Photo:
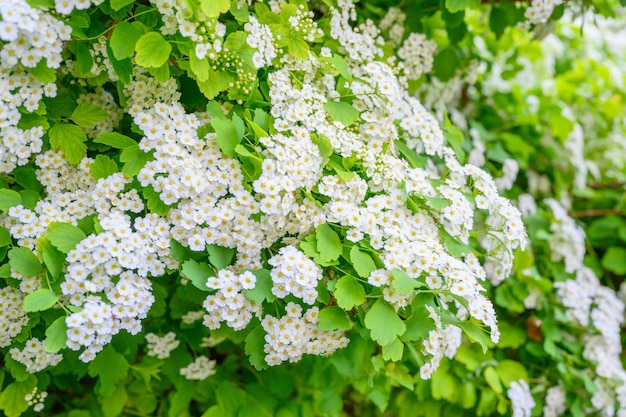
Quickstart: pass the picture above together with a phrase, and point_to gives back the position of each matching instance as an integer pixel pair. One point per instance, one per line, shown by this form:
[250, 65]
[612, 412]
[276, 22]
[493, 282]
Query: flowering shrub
[214, 207]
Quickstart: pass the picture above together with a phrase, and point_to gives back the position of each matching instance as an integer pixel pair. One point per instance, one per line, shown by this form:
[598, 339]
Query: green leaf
[64, 236]
[12, 400]
[475, 334]
[70, 139]
[24, 261]
[393, 351]
[41, 299]
[403, 283]
[445, 64]
[454, 6]
[110, 367]
[333, 318]
[27, 178]
[84, 60]
[349, 292]
[339, 64]
[220, 256]
[418, 325]
[227, 136]
[87, 114]
[493, 380]
[254, 345]
[152, 50]
[115, 140]
[134, 159]
[614, 260]
[154, 202]
[113, 405]
[52, 257]
[119, 4]
[384, 323]
[197, 273]
[328, 243]
[262, 291]
[42, 72]
[102, 167]
[362, 262]
[200, 67]
[9, 198]
[5, 237]
[509, 370]
[342, 112]
[56, 335]
[213, 8]
[444, 386]
[124, 38]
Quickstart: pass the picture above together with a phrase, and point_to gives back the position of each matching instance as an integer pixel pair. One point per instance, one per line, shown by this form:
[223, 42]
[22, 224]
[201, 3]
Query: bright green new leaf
[12, 399]
[42, 72]
[70, 139]
[340, 64]
[200, 67]
[362, 262]
[9, 198]
[113, 404]
[614, 260]
[444, 386]
[24, 261]
[262, 291]
[110, 367]
[297, 47]
[475, 334]
[124, 38]
[134, 159]
[227, 136]
[56, 335]
[403, 283]
[393, 351]
[102, 167]
[53, 259]
[342, 112]
[152, 50]
[454, 6]
[64, 236]
[154, 202]
[349, 292]
[328, 243]
[220, 256]
[333, 318]
[509, 370]
[384, 323]
[115, 140]
[197, 273]
[41, 299]
[493, 380]
[214, 8]
[87, 114]
[118, 4]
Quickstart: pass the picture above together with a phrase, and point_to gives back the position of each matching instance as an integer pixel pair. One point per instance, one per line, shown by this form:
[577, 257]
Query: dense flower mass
[191, 187]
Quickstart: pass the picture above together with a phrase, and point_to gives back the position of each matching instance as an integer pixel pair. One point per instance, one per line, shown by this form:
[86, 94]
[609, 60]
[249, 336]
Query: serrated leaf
[200, 67]
[84, 60]
[328, 243]
[393, 351]
[102, 167]
[454, 6]
[262, 290]
[123, 39]
[52, 257]
[254, 348]
[56, 335]
[87, 114]
[64, 236]
[110, 367]
[403, 283]
[118, 4]
[113, 405]
[115, 140]
[41, 299]
[333, 318]
[9, 198]
[154, 202]
[12, 399]
[362, 262]
[134, 159]
[42, 72]
[342, 112]
[213, 8]
[349, 292]
[340, 65]
[5, 237]
[384, 323]
[152, 50]
[70, 139]
[475, 334]
[24, 261]
[220, 256]
[227, 136]
[197, 273]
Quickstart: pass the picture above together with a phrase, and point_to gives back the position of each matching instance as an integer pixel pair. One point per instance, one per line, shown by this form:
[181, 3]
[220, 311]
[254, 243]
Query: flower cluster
[36, 399]
[161, 347]
[260, 38]
[35, 356]
[522, 399]
[541, 10]
[297, 333]
[230, 304]
[13, 317]
[201, 368]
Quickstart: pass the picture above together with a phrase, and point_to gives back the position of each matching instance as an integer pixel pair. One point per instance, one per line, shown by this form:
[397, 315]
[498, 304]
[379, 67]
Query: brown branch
[600, 185]
[597, 213]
